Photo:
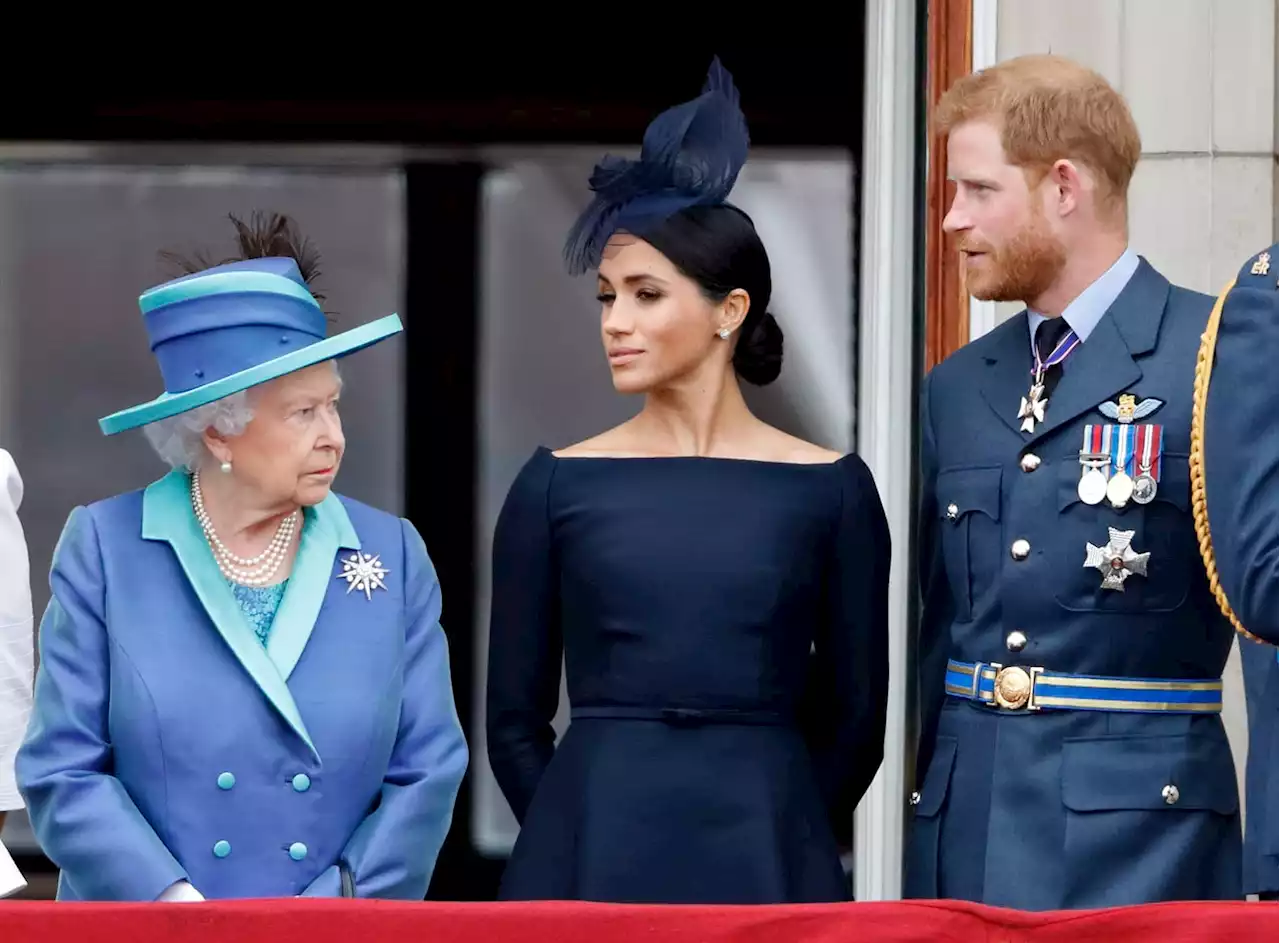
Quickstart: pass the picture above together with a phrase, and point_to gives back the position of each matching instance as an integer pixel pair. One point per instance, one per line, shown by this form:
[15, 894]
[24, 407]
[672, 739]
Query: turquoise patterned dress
[259, 604]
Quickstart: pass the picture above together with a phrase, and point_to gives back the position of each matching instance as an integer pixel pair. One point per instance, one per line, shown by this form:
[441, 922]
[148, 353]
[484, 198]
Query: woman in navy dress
[706, 578]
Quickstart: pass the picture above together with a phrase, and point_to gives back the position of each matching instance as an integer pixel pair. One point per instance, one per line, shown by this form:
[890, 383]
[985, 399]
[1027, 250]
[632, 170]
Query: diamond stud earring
[724, 333]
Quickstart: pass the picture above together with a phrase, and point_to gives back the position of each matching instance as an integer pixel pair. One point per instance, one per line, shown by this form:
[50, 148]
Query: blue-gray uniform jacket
[1241, 486]
[1071, 654]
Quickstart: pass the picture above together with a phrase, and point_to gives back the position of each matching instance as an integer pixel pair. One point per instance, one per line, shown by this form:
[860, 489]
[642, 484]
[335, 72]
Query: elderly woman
[244, 688]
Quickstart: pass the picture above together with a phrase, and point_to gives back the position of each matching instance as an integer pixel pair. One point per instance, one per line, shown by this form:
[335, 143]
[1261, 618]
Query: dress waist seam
[682, 716]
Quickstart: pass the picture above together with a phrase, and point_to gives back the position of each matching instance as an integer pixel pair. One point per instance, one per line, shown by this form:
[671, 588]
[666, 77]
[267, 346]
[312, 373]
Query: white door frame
[886, 406]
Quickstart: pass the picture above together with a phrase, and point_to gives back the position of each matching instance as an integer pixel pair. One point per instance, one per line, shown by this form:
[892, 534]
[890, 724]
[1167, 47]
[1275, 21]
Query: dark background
[807, 94]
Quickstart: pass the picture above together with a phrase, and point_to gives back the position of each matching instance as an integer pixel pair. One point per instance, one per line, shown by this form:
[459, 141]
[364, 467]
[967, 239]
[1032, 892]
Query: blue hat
[691, 156]
[231, 327]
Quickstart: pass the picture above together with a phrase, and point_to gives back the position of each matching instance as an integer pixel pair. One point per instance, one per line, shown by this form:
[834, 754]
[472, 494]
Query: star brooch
[1117, 561]
[363, 573]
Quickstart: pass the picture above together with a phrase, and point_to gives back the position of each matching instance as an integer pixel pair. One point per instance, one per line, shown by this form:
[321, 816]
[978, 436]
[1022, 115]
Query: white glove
[180, 892]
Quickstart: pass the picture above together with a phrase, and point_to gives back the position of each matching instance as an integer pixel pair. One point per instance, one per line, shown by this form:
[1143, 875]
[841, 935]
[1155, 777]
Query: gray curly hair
[179, 440]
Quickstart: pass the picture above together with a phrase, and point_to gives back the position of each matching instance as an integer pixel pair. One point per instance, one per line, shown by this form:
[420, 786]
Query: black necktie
[1049, 333]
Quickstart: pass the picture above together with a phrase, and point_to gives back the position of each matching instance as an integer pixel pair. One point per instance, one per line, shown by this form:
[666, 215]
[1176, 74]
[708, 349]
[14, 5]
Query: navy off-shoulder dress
[702, 608]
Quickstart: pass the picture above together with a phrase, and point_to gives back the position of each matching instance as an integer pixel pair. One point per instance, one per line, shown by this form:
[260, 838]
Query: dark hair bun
[758, 357]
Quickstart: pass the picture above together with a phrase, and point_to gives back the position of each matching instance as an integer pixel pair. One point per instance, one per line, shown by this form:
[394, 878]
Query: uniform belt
[680, 716]
[1027, 688]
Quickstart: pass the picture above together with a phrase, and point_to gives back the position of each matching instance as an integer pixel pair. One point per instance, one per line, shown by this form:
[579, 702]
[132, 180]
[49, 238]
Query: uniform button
[1020, 550]
[1016, 641]
[952, 512]
[301, 782]
[915, 798]
[1030, 462]
[1171, 794]
[226, 780]
[221, 849]
[297, 851]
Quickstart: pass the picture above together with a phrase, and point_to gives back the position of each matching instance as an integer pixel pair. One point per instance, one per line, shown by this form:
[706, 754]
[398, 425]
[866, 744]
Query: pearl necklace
[247, 571]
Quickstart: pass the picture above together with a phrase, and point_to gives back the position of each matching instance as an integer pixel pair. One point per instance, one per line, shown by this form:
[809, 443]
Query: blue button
[297, 851]
[226, 780]
[301, 782]
[221, 849]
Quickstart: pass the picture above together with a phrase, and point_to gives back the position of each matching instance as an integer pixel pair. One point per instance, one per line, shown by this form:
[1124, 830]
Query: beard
[1021, 270]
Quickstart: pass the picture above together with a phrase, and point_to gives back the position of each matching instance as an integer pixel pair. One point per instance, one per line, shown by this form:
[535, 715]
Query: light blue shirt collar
[1084, 313]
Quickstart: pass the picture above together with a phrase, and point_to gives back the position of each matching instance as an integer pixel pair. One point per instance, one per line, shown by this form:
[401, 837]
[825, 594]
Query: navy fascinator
[691, 156]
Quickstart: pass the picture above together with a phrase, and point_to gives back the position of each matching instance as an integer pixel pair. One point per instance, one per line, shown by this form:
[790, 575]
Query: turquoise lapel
[327, 530]
[167, 516]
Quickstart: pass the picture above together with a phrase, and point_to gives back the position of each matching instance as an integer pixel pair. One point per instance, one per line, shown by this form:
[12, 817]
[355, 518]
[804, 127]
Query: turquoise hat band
[224, 283]
[171, 404]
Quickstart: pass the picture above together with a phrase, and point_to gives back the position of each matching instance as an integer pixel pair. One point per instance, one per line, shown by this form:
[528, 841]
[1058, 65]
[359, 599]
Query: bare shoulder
[788, 448]
[618, 442]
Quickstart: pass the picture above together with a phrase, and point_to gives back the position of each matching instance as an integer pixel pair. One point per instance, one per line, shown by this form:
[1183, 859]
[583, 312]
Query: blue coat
[166, 743]
[1242, 488]
[1054, 808]
[1262, 768]
[1241, 451]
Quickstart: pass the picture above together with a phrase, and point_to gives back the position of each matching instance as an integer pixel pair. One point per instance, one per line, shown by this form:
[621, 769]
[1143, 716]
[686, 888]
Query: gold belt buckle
[1015, 687]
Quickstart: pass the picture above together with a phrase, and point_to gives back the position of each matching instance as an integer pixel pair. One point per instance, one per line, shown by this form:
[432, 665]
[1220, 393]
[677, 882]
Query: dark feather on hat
[266, 235]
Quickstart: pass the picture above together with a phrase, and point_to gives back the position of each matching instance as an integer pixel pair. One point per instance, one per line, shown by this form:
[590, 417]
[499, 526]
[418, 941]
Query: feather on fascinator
[692, 154]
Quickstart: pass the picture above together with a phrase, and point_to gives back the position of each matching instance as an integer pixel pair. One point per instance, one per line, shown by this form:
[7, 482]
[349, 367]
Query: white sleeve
[17, 658]
[180, 892]
[11, 879]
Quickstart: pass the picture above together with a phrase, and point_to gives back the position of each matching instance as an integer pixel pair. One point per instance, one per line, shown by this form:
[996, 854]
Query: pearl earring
[724, 333]
[226, 468]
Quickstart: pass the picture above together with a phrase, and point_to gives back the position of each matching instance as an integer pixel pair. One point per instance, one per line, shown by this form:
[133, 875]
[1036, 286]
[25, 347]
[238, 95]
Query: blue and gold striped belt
[1026, 688]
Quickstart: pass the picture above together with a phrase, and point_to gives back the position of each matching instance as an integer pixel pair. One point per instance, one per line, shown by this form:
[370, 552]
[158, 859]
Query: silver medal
[1144, 486]
[1092, 487]
[1120, 487]
[1116, 560]
[1144, 489]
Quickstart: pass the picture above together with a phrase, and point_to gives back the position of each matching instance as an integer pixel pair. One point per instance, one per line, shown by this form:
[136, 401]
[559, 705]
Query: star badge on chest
[1116, 561]
[364, 573]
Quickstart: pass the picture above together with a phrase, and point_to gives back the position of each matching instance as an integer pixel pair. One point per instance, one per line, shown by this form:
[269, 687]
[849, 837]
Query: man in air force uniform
[1071, 653]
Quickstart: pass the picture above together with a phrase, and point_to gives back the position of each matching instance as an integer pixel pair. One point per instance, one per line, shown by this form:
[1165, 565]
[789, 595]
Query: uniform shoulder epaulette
[1262, 268]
